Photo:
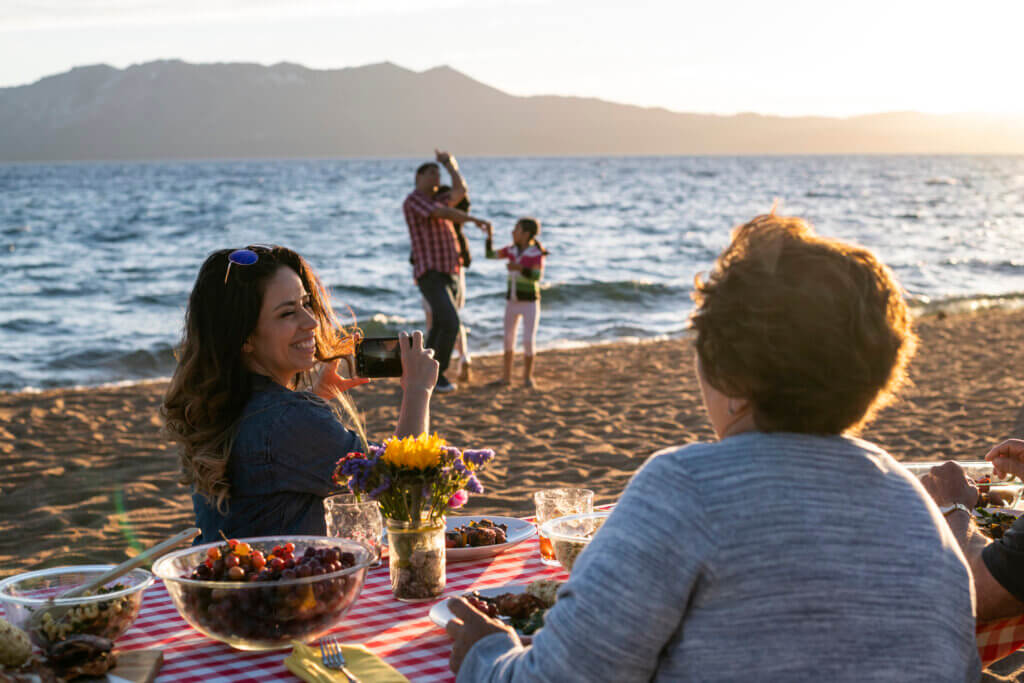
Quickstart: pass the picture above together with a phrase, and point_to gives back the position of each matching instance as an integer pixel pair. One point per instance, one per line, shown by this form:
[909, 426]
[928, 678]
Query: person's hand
[329, 384]
[484, 225]
[419, 369]
[468, 626]
[1007, 458]
[514, 266]
[445, 159]
[947, 483]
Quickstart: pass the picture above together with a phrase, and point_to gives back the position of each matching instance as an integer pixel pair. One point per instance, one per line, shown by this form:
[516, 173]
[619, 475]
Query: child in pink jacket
[525, 269]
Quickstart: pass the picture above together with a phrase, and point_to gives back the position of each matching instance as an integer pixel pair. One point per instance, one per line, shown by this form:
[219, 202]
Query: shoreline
[90, 474]
[920, 309]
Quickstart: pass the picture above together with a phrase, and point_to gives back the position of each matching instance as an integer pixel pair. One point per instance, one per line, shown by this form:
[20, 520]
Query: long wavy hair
[212, 382]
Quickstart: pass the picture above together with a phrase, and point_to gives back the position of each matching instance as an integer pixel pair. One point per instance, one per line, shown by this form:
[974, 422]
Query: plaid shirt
[434, 245]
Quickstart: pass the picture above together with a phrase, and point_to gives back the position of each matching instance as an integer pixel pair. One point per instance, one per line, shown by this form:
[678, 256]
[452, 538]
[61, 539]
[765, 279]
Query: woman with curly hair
[259, 438]
[787, 550]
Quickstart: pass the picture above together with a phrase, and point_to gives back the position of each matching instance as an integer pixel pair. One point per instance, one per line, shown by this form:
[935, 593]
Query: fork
[330, 652]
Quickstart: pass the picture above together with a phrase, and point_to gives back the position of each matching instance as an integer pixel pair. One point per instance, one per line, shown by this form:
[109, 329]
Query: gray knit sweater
[763, 557]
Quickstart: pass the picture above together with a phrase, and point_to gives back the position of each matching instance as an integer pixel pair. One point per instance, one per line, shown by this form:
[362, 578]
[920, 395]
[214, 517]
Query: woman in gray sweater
[788, 550]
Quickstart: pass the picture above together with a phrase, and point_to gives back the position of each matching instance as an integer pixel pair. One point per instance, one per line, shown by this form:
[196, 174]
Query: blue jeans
[440, 290]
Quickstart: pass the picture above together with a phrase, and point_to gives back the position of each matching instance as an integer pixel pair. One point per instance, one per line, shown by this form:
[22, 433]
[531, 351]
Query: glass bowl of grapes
[263, 593]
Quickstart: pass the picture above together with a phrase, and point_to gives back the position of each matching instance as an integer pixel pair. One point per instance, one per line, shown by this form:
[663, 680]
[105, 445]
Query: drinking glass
[347, 517]
[552, 503]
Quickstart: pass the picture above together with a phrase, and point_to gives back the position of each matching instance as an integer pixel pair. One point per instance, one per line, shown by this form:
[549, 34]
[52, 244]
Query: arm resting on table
[617, 611]
[1005, 557]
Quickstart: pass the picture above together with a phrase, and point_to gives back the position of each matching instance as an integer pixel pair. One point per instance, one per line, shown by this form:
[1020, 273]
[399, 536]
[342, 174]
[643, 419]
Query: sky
[789, 57]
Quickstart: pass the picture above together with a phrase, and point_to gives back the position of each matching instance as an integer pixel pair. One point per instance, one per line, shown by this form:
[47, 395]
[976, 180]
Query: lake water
[97, 260]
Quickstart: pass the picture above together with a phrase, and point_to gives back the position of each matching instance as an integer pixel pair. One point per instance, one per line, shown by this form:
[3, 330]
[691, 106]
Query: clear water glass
[554, 503]
[362, 521]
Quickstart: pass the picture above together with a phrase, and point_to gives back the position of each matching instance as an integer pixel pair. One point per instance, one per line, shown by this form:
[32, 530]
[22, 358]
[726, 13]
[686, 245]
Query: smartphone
[378, 357]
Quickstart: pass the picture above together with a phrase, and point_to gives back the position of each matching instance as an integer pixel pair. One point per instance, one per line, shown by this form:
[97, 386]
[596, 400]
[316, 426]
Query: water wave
[27, 325]
[155, 360]
[1007, 266]
[628, 291]
[966, 304]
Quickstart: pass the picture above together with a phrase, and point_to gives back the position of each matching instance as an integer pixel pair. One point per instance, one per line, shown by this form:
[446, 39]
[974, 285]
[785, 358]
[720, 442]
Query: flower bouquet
[415, 480]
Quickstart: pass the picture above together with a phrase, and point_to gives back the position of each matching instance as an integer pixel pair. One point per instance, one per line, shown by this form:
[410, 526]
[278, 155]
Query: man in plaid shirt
[435, 253]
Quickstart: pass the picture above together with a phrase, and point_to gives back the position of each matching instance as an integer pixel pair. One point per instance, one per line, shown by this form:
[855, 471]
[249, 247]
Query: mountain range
[175, 110]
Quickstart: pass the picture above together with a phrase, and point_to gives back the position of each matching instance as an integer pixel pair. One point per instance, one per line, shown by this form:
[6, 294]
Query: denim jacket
[280, 468]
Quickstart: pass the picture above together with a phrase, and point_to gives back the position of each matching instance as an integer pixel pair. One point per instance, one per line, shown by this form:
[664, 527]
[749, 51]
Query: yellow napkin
[305, 663]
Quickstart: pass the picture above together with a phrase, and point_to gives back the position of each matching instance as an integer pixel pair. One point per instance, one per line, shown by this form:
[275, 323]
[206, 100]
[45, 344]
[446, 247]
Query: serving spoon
[58, 611]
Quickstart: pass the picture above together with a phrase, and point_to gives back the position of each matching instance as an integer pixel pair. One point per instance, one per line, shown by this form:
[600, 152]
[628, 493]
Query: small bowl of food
[106, 612]
[570, 535]
[993, 492]
[995, 521]
[262, 593]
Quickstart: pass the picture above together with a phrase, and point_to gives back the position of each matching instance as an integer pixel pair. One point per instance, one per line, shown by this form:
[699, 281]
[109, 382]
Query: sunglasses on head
[246, 257]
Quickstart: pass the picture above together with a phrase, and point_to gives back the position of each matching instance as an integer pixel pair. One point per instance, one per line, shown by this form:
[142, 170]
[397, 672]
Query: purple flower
[458, 499]
[473, 485]
[385, 484]
[478, 458]
[460, 468]
[358, 471]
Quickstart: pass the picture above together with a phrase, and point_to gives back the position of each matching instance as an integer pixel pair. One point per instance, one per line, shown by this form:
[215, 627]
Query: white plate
[517, 532]
[441, 615]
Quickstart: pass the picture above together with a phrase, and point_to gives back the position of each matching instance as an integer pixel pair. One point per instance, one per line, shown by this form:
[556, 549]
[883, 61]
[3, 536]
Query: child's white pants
[529, 311]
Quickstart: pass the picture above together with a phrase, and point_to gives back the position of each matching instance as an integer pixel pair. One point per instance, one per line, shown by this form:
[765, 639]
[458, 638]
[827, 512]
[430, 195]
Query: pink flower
[458, 499]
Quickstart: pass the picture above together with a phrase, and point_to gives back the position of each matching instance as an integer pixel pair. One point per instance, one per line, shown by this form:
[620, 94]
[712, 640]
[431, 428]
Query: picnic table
[401, 633]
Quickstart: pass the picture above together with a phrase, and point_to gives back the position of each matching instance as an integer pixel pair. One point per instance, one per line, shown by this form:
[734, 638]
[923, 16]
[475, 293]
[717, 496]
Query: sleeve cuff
[484, 654]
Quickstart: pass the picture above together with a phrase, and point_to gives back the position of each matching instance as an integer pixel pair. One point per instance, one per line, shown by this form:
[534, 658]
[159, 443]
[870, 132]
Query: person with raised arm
[525, 265]
[435, 253]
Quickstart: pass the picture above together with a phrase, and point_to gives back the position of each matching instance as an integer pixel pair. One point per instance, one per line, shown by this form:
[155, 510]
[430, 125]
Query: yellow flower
[417, 453]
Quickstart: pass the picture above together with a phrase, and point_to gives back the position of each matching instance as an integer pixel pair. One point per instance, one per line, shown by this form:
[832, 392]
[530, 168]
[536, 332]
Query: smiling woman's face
[283, 342]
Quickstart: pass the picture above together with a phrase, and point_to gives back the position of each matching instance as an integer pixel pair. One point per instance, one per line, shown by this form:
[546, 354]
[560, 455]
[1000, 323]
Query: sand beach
[88, 477]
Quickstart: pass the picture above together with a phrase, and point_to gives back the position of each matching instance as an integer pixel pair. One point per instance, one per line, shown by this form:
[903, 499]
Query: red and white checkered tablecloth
[997, 639]
[401, 633]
